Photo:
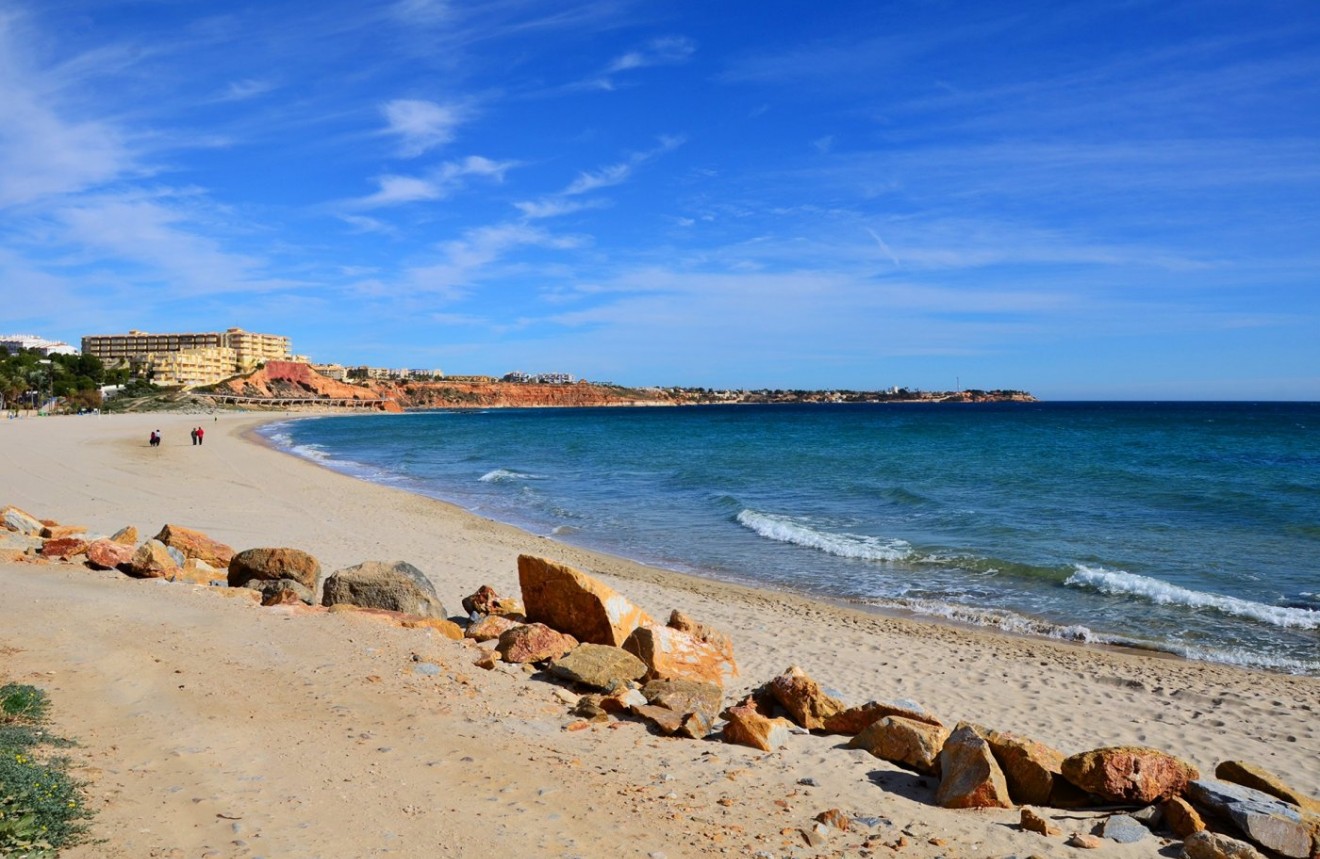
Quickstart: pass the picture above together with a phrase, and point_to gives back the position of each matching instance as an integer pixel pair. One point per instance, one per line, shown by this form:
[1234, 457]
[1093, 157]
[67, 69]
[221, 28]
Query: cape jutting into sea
[1192, 528]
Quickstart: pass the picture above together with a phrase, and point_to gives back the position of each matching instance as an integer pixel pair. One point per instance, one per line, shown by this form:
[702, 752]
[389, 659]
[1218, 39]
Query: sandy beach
[209, 726]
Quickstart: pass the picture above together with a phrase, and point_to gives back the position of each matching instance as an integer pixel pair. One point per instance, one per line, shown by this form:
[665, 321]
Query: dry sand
[210, 726]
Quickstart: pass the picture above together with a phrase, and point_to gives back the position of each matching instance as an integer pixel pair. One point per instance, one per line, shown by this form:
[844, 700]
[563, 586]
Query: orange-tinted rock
[1211, 845]
[1258, 778]
[573, 602]
[281, 596]
[271, 565]
[486, 601]
[534, 642]
[969, 775]
[441, 625]
[1034, 822]
[722, 644]
[854, 720]
[127, 536]
[197, 572]
[1030, 767]
[60, 532]
[746, 726]
[802, 697]
[670, 653]
[195, 544]
[64, 547]
[151, 561]
[490, 627]
[903, 741]
[1129, 774]
[835, 818]
[1181, 817]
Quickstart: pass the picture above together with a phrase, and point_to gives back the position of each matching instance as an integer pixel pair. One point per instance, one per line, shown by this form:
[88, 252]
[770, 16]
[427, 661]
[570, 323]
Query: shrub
[40, 805]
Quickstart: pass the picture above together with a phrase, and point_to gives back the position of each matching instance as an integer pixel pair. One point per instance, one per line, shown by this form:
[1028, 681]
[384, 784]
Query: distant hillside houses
[12, 344]
[537, 378]
[340, 373]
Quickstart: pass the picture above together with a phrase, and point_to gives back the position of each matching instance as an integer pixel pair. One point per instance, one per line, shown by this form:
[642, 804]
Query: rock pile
[575, 630]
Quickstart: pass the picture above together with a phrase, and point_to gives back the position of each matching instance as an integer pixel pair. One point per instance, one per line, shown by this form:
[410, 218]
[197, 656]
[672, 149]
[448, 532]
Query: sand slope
[211, 726]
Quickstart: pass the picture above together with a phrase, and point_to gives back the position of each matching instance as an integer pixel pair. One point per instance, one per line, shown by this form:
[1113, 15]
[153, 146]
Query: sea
[1187, 528]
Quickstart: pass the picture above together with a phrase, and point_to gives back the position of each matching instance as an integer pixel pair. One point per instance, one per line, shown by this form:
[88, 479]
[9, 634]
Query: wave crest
[786, 529]
[502, 475]
[1120, 582]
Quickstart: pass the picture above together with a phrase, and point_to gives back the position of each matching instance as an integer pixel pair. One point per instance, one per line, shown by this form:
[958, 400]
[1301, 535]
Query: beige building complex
[188, 359]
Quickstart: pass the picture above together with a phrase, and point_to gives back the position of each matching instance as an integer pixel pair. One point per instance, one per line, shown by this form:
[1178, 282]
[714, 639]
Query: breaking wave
[504, 475]
[786, 529]
[1119, 582]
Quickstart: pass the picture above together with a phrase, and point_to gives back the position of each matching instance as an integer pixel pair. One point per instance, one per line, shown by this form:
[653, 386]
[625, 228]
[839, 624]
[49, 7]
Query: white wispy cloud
[663, 51]
[615, 174]
[553, 207]
[422, 125]
[44, 150]
[468, 259]
[163, 241]
[437, 184]
[246, 89]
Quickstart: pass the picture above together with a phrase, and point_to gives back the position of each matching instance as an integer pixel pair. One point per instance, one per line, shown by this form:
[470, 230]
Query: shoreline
[111, 649]
[1110, 642]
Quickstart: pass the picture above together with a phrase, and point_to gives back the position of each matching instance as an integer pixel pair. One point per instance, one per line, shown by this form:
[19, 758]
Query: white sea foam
[1006, 621]
[1120, 582]
[786, 529]
[314, 452]
[501, 475]
[1017, 624]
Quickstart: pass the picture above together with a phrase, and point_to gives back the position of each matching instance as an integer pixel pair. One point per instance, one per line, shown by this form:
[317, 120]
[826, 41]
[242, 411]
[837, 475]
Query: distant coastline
[290, 385]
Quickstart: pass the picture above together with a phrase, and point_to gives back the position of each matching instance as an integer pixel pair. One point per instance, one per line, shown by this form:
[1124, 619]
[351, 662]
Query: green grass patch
[41, 807]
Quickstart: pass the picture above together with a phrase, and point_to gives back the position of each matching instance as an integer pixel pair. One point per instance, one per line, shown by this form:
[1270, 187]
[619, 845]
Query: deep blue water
[1188, 527]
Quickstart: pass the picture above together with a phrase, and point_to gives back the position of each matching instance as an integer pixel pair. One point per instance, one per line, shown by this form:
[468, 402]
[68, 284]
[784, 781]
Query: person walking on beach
[201, 434]
[193, 433]
[155, 438]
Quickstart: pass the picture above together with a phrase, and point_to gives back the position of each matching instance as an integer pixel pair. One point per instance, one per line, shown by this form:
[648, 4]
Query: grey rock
[1152, 815]
[393, 586]
[1125, 829]
[1266, 820]
[16, 520]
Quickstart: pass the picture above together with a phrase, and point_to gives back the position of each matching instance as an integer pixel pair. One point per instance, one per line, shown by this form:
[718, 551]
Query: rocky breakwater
[610, 660]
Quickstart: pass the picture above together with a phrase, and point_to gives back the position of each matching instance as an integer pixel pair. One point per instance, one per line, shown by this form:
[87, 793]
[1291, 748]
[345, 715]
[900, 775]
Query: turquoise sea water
[1190, 527]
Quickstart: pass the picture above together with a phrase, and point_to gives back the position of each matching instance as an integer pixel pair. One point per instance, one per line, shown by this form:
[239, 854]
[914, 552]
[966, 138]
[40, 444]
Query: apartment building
[188, 359]
[12, 343]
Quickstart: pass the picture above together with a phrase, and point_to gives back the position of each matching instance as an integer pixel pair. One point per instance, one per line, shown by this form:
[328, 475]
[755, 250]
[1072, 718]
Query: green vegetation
[28, 379]
[40, 805]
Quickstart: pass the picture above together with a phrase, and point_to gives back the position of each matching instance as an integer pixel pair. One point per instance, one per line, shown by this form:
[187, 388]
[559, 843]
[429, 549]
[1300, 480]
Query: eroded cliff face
[516, 395]
[288, 380]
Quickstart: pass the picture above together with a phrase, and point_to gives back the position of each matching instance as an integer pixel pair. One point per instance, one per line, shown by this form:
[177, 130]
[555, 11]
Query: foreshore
[210, 726]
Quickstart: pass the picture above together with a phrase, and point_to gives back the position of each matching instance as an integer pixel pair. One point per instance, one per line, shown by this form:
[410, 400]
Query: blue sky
[1087, 200]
